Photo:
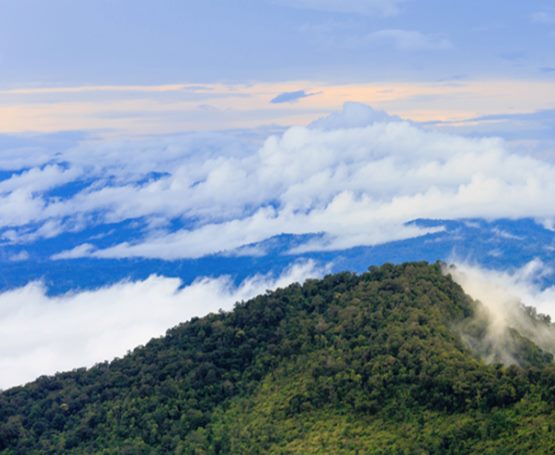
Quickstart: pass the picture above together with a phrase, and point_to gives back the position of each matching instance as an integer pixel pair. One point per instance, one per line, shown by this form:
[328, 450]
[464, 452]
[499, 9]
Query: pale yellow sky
[184, 107]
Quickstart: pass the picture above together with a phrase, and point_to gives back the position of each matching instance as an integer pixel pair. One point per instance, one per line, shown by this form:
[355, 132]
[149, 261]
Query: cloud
[501, 295]
[20, 257]
[105, 88]
[43, 335]
[547, 223]
[542, 17]
[358, 186]
[79, 251]
[525, 132]
[39, 179]
[20, 207]
[356, 177]
[291, 97]
[353, 115]
[410, 40]
[365, 7]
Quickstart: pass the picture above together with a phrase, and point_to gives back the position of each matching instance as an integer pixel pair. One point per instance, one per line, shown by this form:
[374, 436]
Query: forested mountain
[370, 363]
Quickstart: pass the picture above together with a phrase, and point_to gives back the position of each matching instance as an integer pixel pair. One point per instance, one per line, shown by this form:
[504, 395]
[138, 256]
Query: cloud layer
[43, 335]
[356, 177]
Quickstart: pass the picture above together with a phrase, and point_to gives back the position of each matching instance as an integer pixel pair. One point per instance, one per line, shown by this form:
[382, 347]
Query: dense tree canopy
[370, 363]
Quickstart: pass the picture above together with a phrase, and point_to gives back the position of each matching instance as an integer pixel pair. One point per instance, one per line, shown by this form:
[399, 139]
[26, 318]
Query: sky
[141, 42]
[158, 67]
[169, 158]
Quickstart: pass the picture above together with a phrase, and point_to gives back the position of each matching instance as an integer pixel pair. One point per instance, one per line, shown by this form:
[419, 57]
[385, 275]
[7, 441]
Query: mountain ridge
[369, 363]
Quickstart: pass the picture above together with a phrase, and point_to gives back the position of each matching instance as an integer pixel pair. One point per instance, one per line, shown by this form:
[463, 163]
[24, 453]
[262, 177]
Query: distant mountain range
[500, 244]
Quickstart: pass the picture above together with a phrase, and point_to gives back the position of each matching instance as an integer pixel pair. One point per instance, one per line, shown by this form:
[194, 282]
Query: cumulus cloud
[353, 115]
[43, 335]
[502, 295]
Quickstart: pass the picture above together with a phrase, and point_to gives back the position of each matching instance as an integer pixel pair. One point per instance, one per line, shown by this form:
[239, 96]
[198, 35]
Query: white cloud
[20, 157]
[20, 207]
[79, 251]
[39, 179]
[547, 223]
[357, 177]
[20, 257]
[501, 294]
[43, 335]
[357, 185]
[495, 288]
[410, 40]
[353, 115]
[366, 7]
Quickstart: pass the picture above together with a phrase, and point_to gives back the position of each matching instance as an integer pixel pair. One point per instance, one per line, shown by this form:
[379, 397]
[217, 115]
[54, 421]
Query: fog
[502, 298]
[40, 334]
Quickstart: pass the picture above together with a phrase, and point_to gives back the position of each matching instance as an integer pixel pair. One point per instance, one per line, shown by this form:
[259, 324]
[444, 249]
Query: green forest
[373, 363]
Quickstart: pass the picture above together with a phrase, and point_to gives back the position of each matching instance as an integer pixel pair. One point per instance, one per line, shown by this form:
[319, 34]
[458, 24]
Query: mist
[42, 335]
[510, 308]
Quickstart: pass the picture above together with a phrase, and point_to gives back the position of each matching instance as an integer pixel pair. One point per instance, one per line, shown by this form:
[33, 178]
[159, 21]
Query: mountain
[497, 244]
[388, 361]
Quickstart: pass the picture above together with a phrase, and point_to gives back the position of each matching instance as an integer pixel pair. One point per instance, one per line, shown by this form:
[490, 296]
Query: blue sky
[168, 41]
[167, 66]
[168, 158]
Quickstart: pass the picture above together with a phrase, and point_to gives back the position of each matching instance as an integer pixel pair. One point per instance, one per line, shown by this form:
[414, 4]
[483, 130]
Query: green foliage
[347, 364]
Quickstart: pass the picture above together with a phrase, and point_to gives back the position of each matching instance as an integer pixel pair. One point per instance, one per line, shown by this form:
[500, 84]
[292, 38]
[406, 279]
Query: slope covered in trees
[371, 363]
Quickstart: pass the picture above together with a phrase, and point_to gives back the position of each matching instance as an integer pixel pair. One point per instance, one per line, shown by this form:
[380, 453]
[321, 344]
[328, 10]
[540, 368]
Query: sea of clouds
[357, 177]
[43, 335]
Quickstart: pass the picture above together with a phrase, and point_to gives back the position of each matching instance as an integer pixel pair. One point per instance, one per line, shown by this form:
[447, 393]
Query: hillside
[370, 363]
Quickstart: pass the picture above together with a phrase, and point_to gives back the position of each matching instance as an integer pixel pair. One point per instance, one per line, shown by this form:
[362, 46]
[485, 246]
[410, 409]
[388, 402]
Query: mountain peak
[343, 364]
